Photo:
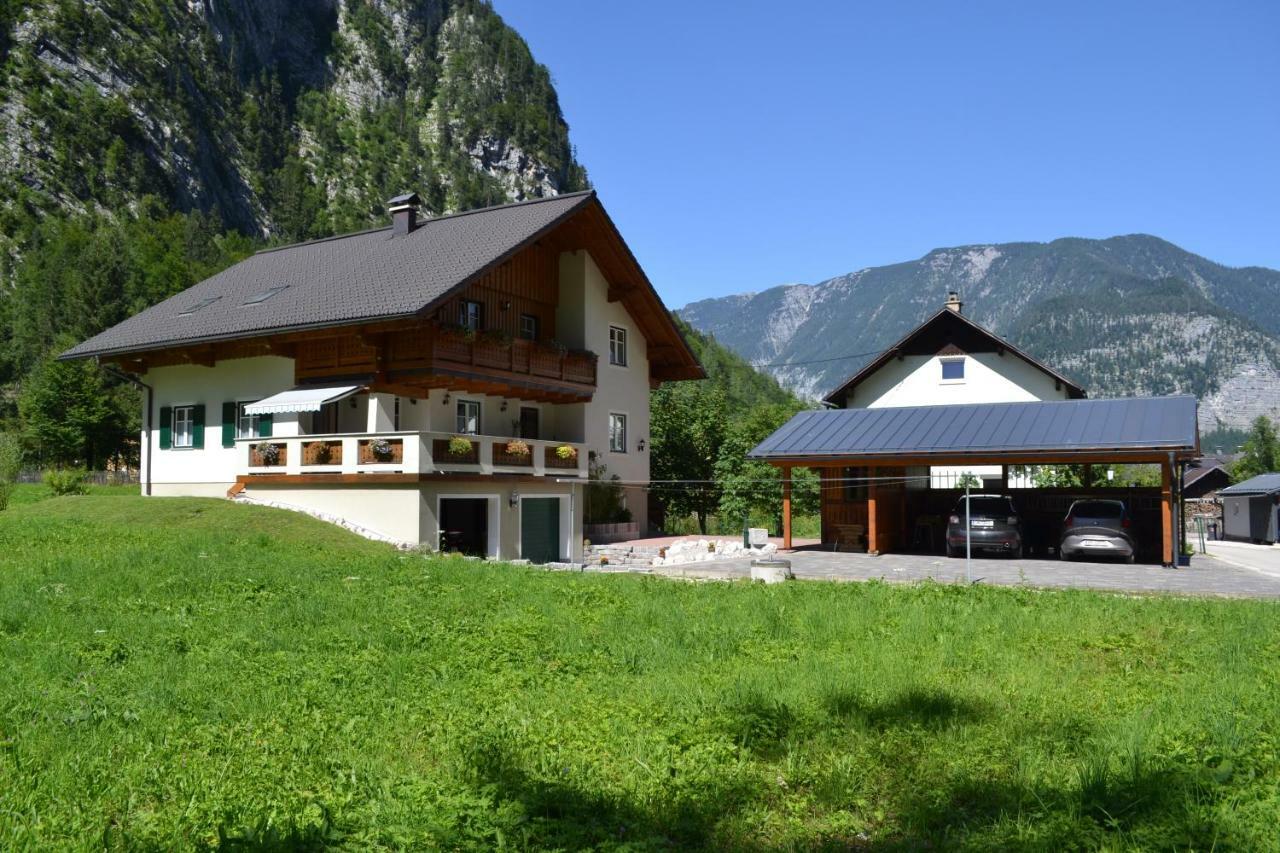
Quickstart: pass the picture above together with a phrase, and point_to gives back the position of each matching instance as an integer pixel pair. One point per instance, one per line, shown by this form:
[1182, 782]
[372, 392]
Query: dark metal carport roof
[1067, 427]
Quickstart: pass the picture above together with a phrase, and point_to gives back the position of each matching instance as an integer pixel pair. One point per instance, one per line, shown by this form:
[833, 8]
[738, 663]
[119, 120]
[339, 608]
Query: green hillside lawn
[188, 673]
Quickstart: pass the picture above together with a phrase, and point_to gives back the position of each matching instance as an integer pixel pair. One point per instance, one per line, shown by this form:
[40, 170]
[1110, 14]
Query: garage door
[540, 529]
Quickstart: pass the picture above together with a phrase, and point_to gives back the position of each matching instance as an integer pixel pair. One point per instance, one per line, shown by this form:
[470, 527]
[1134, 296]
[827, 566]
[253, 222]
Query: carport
[874, 463]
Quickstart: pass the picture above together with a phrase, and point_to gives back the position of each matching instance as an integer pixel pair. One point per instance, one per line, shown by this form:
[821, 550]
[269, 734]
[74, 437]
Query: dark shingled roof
[1263, 484]
[1156, 423]
[371, 275]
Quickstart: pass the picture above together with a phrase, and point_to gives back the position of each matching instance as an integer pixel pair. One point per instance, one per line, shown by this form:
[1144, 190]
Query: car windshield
[1098, 509]
[984, 507]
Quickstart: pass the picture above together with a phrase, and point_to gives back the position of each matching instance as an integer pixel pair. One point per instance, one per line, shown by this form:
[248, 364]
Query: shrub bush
[10, 465]
[67, 481]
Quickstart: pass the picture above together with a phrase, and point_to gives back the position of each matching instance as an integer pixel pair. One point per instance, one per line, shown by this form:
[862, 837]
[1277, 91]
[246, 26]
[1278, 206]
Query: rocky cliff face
[1129, 315]
[288, 118]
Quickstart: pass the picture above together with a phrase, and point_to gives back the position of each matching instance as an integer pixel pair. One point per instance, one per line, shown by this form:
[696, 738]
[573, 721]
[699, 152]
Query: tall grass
[186, 673]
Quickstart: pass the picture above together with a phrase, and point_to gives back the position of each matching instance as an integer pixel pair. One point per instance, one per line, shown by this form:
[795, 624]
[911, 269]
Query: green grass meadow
[182, 673]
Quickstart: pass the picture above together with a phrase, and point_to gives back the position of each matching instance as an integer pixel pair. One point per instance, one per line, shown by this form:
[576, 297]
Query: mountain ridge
[1124, 315]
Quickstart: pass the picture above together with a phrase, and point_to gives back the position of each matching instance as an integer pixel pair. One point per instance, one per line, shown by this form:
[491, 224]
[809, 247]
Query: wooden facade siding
[529, 283]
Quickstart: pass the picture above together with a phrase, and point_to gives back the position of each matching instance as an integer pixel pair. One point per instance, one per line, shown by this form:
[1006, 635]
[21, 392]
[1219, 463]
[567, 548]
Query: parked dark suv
[1097, 529]
[994, 525]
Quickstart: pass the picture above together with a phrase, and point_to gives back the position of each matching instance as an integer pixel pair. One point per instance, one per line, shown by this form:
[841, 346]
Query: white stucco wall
[211, 470]
[583, 321]
[989, 378]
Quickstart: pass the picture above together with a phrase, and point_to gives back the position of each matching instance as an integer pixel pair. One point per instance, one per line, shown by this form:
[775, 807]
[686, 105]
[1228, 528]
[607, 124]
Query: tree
[687, 425]
[749, 485]
[1261, 451]
[69, 415]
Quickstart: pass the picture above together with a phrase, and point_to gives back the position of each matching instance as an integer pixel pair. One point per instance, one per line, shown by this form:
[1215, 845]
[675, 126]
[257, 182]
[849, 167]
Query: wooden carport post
[873, 523]
[1166, 513]
[786, 507]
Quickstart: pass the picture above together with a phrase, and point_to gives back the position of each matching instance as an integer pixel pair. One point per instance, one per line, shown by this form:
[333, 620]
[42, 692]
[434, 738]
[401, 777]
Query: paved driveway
[1206, 576]
[1264, 559]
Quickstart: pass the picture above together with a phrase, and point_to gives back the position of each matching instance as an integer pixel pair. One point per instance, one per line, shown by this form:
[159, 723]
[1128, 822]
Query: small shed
[1251, 510]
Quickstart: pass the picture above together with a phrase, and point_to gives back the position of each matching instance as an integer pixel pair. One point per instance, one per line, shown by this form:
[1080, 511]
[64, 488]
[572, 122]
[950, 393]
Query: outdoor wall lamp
[640, 445]
[446, 398]
[514, 500]
[504, 406]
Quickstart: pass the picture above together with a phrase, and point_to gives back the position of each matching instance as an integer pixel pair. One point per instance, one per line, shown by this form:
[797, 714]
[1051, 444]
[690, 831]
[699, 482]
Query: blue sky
[744, 145]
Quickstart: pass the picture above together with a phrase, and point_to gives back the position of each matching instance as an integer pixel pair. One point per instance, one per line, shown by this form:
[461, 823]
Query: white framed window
[617, 432]
[953, 369]
[468, 417]
[618, 346]
[184, 426]
[246, 424]
[471, 314]
[529, 327]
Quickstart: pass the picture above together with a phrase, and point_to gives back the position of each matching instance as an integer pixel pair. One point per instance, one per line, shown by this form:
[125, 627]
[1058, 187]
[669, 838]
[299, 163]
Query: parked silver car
[1097, 528]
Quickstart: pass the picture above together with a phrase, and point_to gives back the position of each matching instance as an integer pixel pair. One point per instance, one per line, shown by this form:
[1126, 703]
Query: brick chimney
[954, 303]
[404, 213]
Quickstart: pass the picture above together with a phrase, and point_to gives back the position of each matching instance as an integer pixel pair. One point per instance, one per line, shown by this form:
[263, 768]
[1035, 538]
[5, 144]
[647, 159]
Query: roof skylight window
[264, 295]
[194, 307]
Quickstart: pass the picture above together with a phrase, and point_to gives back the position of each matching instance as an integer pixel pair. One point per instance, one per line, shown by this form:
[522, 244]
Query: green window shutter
[166, 427]
[264, 425]
[197, 427]
[228, 424]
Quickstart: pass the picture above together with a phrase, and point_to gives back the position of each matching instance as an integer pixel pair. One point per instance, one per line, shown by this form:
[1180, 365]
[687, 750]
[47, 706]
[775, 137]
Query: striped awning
[300, 399]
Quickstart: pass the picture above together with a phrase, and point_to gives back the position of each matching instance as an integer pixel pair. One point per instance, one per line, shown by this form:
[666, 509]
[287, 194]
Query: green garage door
[540, 529]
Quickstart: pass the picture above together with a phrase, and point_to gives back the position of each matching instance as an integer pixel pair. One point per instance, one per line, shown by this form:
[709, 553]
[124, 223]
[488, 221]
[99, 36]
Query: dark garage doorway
[540, 529]
[464, 525]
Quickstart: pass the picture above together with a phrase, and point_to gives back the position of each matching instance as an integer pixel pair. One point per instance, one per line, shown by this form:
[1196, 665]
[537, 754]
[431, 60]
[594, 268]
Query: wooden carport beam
[873, 519]
[1166, 513]
[786, 508]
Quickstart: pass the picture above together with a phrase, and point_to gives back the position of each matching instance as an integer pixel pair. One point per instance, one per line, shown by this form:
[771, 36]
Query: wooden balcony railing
[530, 358]
[410, 452]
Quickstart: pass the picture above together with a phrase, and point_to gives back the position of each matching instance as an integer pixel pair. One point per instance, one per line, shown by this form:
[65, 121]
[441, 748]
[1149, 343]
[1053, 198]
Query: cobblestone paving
[1206, 575]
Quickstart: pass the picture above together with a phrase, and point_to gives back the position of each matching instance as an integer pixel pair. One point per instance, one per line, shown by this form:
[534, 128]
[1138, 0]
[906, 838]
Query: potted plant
[269, 454]
[381, 449]
[518, 447]
[567, 452]
[459, 446]
[323, 453]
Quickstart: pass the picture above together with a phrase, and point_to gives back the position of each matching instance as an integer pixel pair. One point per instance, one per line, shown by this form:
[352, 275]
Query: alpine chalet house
[952, 397]
[447, 382]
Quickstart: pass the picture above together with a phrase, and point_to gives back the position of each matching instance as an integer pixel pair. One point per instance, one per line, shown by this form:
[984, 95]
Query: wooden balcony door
[529, 422]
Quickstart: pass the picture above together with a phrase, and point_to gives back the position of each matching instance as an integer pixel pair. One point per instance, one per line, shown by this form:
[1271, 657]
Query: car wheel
[1129, 559]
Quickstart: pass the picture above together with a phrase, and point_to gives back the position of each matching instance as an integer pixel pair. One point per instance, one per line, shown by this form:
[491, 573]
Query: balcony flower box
[381, 451]
[322, 453]
[268, 455]
[564, 456]
[515, 452]
[455, 451]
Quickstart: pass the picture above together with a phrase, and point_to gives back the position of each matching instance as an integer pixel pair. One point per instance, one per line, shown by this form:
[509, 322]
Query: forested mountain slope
[288, 118]
[1127, 315]
[146, 144]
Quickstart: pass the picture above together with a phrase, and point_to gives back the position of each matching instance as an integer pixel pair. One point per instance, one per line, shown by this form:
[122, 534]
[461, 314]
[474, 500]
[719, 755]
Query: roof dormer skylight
[263, 295]
[196, 306]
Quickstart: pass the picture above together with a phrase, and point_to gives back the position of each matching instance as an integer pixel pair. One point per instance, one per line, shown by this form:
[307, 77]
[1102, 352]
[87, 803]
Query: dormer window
[471, 315]
[953, 369]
